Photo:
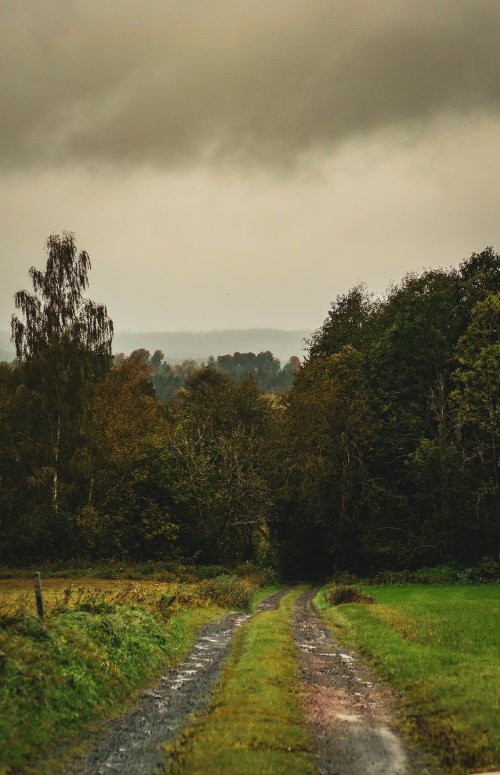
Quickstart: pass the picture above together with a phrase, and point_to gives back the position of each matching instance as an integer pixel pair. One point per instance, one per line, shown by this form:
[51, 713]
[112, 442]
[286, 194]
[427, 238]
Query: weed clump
[227, 591]
[342, 595]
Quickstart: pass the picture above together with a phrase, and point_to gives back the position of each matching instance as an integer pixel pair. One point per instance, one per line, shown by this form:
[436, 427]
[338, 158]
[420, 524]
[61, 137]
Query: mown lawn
[440, 646]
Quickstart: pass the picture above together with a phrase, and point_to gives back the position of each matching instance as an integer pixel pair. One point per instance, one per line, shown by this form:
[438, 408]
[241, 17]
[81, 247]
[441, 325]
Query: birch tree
[64, 342]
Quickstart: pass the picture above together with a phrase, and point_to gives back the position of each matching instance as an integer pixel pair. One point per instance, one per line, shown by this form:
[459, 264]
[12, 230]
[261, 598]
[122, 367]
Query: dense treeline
[394, 425]
[167, 379]
[382, 454]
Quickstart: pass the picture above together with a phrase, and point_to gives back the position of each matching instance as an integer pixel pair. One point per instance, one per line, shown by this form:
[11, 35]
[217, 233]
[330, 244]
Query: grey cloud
[173, 82]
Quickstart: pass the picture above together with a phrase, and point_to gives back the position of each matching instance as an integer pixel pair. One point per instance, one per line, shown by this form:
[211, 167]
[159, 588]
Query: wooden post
[38, 594]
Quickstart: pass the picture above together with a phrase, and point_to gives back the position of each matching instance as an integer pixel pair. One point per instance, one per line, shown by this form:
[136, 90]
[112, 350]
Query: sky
[239, 163]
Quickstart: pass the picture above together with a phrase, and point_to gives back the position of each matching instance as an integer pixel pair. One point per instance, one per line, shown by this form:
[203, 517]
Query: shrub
[262, 575]
[211, 571]
[227, 591]
[345, 578]
[165, 576]
[487, 570]
[341, 595]
[190, 598]
[164, 604]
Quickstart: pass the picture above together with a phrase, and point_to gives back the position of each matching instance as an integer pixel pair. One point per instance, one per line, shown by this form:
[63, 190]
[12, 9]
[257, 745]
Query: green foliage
[71, 668]
[476, 409]
[438, 645]
[63, 345]
[262, 575]
[216, 456]
[226, 591]
[383, 454]
[348, 323]
[168, 379]
[210, 571]
[328, 432]
[341, 595]
[403, 471]
[485, 571]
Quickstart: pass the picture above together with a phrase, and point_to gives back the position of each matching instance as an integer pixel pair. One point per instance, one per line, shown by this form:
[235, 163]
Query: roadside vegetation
[98, 644]
[438, 645]
[256, 721]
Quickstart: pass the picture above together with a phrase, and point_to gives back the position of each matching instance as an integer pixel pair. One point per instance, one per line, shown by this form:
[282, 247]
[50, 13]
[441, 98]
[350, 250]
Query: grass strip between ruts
[256, 723]
[439, 647]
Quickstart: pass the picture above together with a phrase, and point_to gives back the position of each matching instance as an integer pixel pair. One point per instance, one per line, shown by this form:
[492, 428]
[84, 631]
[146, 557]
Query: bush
[227, 591]
[211, 571]
[441, 574]
[189, 598]
[345, 578]
[342, 595]
[260, 574]
[164, 604]
[487, 570]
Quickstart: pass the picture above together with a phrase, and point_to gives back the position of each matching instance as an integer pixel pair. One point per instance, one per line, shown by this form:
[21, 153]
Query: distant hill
[7, 349]
[198, 345]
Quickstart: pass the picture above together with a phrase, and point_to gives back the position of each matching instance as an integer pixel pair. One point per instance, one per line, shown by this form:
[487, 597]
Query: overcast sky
[237, 163]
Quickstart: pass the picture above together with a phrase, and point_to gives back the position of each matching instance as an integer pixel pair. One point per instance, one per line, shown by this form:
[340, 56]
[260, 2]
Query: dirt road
[348, 716]
[347, 711]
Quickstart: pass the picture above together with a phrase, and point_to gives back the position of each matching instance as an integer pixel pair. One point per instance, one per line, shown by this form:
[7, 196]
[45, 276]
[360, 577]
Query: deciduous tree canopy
[379, 451]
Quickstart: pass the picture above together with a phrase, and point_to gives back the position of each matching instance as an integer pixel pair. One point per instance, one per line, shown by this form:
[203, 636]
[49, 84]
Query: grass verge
[439, 646]
[77, 667]
[256, 722]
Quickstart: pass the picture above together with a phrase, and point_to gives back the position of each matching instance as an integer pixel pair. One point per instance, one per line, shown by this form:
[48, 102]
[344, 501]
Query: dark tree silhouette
[64, 340]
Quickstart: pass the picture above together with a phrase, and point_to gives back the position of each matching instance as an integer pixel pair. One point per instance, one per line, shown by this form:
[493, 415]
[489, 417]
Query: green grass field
[440, 646]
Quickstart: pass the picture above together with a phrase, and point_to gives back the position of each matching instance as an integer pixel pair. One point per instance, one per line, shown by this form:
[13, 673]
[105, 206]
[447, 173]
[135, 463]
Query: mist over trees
[267, 371]
[180, 346]
[379, 451]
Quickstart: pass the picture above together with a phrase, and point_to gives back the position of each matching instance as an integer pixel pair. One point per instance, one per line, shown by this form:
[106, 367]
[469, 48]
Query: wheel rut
[132, 744]
[349, 718]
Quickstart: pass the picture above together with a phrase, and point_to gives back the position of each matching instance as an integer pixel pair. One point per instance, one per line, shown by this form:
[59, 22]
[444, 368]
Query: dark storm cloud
[170, 82]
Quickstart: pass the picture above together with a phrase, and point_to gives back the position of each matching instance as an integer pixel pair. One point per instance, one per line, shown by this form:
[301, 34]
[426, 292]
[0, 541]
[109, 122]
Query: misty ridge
[200, 345]
[180, 346]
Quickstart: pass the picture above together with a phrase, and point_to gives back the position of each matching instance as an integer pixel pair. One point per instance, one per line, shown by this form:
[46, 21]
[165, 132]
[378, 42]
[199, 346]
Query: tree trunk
[55, 480]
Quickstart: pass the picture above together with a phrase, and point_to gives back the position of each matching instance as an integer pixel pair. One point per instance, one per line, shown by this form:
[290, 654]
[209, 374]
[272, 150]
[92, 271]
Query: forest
[168, 378]
[379, 452]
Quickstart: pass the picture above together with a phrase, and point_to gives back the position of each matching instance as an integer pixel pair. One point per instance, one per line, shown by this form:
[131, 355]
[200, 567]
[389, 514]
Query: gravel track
[348, 716]
[132, 744]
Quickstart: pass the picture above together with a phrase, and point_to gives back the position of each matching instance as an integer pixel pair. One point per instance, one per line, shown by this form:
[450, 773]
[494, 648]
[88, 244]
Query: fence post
[38, 594]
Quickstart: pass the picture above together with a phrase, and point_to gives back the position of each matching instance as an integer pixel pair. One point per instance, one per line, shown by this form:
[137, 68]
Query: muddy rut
[132, 744]
[349, 719]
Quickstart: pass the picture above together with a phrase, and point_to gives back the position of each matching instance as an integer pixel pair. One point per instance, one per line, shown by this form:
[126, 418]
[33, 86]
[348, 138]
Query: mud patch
[349, 718]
